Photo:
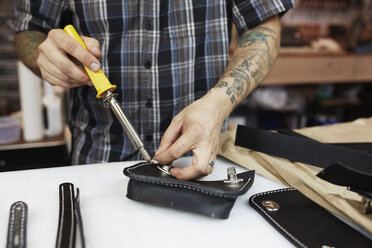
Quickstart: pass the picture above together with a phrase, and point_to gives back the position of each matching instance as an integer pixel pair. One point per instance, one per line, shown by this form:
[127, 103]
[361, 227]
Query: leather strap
[342, 166]
[79, 219]
[360, 146]
[67, 222]
[17, 225]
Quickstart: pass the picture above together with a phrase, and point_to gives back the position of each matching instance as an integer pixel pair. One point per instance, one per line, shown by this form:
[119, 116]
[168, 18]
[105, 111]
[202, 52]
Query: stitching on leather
[11, 224]
[71, 244]
[22, 231]
[59, 236]
[135, 167]
[182, 186]
[276, 223]
[23, 226]
[179, 185]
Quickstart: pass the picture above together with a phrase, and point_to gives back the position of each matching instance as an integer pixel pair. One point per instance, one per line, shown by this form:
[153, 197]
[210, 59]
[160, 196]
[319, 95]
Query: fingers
[196, 128]
[69, 45]
[169, 137]
[172, 145]
[50, 78]
[193, 139]
[181, 146]
[199, 167]
[57, 56]
[66, 74]
[92, 45]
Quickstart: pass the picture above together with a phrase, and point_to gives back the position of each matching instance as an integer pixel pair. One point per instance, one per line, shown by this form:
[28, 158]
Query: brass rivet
[270, 205]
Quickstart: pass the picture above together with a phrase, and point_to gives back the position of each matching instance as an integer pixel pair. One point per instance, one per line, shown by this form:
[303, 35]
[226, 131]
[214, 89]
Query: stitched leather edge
[181, 185]
[22, 234]
[60, 235]
[273, 221]
[189, 187]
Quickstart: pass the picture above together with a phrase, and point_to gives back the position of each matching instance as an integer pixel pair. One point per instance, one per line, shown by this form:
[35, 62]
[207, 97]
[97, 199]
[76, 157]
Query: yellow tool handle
[99, 79]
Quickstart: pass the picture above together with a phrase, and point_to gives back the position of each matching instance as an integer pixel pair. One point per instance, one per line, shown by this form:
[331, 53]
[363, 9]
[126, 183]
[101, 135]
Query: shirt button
[149, 138]
[149, 26]
[148, 103]
[148, 64]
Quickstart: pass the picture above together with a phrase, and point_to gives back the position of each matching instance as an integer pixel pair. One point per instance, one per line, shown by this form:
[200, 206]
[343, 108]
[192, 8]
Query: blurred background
[323, 73]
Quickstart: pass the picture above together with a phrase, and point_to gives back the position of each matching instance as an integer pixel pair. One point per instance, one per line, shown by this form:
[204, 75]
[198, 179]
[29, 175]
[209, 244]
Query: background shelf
[301, 66]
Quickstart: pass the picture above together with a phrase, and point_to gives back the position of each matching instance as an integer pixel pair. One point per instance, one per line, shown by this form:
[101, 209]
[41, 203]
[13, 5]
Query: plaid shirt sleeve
[37, 15]
[249, 13]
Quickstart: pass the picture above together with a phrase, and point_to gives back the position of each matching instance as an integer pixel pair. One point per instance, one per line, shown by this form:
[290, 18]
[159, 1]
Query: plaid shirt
[162, 55]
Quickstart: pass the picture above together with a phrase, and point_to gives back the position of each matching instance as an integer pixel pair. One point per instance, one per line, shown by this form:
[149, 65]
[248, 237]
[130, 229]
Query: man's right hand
[60, 57]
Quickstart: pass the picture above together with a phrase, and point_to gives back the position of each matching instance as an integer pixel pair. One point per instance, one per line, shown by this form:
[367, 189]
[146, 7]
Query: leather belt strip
[67, 222]
[79, 219]
[343, 166]
[17, 225]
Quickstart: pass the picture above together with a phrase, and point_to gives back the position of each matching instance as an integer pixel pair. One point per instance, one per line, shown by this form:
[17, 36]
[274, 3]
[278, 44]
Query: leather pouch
[212, 198]
[303, 222]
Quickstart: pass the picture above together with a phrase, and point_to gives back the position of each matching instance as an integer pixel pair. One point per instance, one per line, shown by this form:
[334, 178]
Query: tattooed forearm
[254, 56]
[240, 76]
[26, 44]
[259, 34]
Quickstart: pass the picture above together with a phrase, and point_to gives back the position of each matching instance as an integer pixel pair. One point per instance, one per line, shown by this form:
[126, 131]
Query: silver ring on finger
[211, 163]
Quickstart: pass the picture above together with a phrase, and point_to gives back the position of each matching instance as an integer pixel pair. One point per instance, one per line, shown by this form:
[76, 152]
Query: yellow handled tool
[104, 89]
[99, 79]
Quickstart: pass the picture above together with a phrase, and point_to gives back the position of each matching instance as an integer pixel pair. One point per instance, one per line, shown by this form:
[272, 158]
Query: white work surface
[111, 220]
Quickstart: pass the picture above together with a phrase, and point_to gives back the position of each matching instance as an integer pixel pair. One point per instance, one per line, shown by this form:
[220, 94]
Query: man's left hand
[196, 128]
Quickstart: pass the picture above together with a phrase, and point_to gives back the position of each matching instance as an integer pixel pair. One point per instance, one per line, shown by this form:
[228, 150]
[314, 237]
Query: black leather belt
[69, 216]
[17, 225]
[342, 166]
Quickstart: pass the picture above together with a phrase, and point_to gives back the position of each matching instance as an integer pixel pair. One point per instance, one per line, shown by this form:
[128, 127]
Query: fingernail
[172, 170]
[160, 149]
[94, 66]
[96, 50]
[90, 83]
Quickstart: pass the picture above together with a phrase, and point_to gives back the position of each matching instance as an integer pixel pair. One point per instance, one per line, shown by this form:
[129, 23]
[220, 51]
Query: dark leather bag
[211, 198]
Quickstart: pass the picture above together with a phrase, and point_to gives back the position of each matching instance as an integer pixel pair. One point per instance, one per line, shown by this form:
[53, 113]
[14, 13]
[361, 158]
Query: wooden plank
[315, 68]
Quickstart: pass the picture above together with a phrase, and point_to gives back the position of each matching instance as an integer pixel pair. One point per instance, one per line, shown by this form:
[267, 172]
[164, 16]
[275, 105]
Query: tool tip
[145, 154]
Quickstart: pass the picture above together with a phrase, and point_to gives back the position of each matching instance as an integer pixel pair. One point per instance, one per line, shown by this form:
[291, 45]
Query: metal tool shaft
[125, 123]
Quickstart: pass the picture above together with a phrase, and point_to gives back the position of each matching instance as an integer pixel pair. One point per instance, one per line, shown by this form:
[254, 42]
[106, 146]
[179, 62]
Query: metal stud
[165, 168]
[270, 205]
[232, 177]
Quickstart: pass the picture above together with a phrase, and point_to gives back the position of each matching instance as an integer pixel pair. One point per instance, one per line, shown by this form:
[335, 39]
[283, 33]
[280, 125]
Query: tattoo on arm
[254, 59]
[26, 44]
[258, 34]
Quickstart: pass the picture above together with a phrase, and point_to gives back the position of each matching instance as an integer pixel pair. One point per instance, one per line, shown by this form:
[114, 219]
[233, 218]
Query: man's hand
[196, 128]
[60, 57]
